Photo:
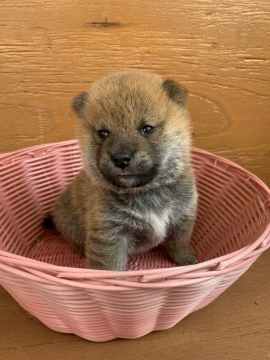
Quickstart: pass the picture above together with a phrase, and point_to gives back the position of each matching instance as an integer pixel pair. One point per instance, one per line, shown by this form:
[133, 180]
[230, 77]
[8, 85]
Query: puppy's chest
[158, 223]
[153, 224]
[146, 218]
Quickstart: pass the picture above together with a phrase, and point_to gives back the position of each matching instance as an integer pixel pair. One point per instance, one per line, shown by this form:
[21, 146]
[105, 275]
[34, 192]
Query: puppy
[137, 187]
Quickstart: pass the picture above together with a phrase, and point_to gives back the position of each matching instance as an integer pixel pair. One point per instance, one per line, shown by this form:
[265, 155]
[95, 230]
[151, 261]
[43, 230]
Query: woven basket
[45, 277]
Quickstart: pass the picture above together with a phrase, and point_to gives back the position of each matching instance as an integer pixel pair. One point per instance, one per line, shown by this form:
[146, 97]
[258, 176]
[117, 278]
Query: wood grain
[50, 50]
[233, 327]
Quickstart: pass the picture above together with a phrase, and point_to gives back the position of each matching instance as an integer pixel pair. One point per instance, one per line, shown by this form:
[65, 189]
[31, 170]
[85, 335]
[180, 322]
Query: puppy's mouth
[130, 180]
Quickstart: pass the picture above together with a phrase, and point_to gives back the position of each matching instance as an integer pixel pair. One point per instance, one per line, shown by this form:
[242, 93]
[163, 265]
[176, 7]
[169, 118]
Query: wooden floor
[234, 327]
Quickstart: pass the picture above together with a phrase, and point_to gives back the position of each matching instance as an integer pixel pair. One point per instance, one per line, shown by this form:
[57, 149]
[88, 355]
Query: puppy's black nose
[121, 159]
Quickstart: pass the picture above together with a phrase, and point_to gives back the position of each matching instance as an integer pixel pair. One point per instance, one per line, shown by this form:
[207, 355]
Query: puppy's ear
[79, 102]
[175, 91]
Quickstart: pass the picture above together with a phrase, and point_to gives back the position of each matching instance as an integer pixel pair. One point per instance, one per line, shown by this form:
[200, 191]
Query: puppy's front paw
[185, 257]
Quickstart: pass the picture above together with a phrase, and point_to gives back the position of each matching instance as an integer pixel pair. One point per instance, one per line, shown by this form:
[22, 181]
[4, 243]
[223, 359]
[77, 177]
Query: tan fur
[106, 210]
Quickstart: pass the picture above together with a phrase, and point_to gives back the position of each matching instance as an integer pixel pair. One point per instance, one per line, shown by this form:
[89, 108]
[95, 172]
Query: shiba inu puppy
[137, 188]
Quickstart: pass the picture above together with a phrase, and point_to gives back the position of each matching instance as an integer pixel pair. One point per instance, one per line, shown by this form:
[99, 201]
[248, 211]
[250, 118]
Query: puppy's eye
[103, 133]
[147, 129]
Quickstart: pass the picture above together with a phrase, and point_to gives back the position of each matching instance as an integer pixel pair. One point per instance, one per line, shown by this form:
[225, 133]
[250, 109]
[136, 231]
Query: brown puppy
[137, 187]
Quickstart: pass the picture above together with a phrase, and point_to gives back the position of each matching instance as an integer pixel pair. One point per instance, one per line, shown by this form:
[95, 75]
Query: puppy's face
[133, 129]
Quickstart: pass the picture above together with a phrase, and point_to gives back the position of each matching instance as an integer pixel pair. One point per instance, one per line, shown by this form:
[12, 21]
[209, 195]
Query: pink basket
[45, 277]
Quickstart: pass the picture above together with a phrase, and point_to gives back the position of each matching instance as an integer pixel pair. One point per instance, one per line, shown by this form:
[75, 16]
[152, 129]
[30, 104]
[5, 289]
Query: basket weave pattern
[47, 278]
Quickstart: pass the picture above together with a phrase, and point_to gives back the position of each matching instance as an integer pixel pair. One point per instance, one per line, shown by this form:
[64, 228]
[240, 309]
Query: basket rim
[205, 268]
[6, 157]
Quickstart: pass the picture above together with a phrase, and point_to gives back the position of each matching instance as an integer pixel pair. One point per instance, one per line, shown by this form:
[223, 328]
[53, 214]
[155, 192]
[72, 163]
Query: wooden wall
[52, 49]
